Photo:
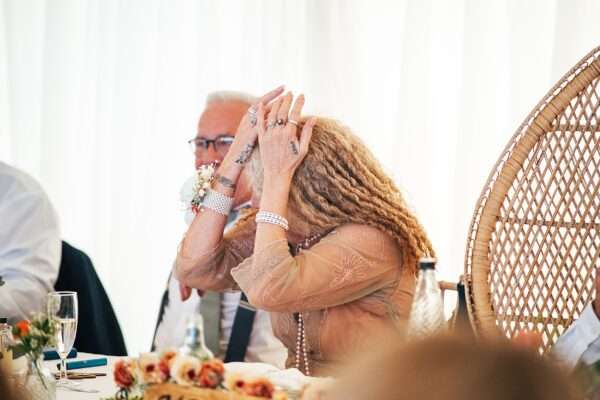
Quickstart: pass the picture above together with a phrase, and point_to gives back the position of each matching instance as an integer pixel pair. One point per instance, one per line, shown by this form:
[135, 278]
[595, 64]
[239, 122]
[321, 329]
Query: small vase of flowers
[31, 337]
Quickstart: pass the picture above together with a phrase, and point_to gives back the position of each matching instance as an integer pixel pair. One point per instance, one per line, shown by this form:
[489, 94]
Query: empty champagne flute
[62, 308]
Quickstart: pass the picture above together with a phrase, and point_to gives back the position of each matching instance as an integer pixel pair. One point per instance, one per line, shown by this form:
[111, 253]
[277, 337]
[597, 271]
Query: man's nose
[207, 156]
[211, 153]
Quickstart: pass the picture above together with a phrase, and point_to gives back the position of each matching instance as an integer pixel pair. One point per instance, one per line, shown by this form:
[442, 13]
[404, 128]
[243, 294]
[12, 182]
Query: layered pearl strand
[301, 350]
[301, 346]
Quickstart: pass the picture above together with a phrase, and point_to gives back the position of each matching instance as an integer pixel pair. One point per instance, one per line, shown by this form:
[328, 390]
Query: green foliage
[35, 335]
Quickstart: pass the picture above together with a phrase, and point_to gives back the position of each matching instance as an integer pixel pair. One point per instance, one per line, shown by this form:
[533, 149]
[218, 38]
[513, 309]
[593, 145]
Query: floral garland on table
[134, 376]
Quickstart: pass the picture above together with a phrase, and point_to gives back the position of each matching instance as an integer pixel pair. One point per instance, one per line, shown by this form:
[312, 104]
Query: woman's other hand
[282, 149]
[245, 137]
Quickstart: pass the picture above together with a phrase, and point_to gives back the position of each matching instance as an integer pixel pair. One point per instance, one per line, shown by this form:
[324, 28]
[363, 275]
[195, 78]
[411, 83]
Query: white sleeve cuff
[589, 324]
[573, 343]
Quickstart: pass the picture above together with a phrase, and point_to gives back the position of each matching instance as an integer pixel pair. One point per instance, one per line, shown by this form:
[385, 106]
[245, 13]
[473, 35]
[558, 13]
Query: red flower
[168, 356]
[123, 374]
[163, 366]
[211, 374]
[259, 388]
[22, 328]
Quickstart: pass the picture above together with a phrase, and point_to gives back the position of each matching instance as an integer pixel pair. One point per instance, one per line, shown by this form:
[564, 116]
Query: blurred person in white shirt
[581, 342]
[30, 245]
[216, 129]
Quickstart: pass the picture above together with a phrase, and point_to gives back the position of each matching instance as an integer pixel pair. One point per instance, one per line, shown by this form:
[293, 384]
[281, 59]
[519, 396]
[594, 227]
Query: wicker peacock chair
[534, 240]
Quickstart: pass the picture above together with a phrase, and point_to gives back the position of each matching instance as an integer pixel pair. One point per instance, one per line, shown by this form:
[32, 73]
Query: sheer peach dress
[349, 287]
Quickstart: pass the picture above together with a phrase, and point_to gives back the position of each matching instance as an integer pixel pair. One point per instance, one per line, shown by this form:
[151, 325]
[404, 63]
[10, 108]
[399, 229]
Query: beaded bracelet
[218, 202]
[271, 218]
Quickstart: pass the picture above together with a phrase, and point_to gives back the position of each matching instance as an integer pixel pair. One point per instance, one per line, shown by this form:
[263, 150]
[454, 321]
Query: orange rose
[22, 328]
[168, 357]
[211, 374]
[163, 366]
[259, 387]
[123, 374]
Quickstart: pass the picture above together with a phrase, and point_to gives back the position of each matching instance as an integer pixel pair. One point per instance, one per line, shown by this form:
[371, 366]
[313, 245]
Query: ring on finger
[252, 110]
[293, 122]
[280, 122]
[270, 124]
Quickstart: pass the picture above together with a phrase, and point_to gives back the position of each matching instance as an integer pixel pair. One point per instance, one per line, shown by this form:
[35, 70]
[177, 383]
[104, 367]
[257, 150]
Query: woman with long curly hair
[332, 251]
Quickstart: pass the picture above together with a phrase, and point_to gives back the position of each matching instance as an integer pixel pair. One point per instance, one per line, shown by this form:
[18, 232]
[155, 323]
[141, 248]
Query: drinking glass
[62, 308]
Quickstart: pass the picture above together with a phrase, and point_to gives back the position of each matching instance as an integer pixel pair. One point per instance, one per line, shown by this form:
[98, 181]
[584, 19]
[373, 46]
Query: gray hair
[226, 96]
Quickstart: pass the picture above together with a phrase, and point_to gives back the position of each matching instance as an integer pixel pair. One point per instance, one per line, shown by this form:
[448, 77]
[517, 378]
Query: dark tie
[164, 302]
[240, 332]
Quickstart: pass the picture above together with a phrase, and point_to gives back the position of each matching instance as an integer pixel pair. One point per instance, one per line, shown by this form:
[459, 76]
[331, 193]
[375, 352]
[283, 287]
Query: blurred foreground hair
[455, 368]
[8, 389]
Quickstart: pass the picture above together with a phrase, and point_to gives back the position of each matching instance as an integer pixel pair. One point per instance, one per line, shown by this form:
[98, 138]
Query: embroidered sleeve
[349, 264]
[211, 271]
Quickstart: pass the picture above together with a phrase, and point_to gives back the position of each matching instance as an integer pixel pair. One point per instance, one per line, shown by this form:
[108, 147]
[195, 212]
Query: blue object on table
[95, 362]
[53, 355]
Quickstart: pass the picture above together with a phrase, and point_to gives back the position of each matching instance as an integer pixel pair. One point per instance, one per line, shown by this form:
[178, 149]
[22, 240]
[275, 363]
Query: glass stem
[63, 368]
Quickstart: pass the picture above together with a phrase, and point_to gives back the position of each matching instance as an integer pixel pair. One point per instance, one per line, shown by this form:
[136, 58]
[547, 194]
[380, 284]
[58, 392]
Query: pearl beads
[301, 347]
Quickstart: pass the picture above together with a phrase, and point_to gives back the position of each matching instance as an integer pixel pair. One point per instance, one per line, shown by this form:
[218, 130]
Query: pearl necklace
[301, 334]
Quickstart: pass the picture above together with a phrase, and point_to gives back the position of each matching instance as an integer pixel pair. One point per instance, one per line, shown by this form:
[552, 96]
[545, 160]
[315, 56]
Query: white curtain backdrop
[97, 99]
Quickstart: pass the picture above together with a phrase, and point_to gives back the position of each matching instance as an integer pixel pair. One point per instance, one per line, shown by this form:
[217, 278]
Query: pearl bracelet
[271, 218]
[218, 202]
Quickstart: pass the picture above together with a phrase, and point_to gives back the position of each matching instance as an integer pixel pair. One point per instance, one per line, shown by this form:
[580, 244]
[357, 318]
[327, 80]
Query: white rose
[149, 370]
[185, 370]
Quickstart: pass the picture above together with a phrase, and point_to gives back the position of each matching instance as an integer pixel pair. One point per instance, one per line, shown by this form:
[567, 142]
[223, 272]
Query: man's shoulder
[14, 182]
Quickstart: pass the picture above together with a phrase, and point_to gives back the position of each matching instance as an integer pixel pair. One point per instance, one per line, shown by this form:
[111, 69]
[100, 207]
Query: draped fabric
[97, 99]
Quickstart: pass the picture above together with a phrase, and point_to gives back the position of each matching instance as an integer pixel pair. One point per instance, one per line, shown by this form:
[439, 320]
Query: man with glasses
[233, 329]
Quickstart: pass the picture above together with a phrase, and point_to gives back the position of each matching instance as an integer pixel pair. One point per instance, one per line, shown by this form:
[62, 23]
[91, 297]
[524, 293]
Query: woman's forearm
[206, 231]
[274, 199]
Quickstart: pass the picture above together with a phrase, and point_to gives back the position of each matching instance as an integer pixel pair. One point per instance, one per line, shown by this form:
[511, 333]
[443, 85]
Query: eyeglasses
[220, 144]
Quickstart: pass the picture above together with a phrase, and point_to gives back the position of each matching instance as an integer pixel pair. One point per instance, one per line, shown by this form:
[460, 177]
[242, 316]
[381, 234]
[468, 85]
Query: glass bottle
[194, 344]
[427, 311]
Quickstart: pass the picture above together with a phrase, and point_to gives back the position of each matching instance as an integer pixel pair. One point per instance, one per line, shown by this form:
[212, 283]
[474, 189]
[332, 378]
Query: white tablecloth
[103, 384]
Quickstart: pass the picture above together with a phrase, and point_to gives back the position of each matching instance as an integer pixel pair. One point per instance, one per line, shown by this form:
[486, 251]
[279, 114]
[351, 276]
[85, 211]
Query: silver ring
[270, 124]
[293, 122]
[252, 110]
[280, 122]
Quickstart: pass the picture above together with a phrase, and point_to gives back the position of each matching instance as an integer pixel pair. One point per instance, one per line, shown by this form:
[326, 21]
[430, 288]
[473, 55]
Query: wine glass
[62, 308]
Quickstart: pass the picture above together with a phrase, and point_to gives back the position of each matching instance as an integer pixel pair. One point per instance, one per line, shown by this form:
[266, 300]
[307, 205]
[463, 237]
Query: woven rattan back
[534, 240]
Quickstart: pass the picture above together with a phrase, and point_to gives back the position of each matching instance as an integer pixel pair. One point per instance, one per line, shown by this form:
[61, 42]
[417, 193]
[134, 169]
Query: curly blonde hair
[340, 181]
